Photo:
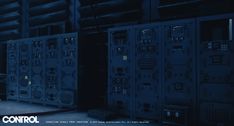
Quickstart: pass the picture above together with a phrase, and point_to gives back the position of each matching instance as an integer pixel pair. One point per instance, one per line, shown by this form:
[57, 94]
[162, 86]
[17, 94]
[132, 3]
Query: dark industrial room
[117, 62]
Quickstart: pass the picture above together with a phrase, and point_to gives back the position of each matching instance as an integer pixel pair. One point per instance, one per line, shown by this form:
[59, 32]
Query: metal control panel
[12, 70]
[135, 71]
[43, 70]
[216, 71]
[148, 50]
[179, 87]
[120, 81]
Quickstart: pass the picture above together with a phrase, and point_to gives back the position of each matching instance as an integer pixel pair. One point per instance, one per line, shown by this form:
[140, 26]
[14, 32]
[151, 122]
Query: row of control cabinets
[168, 71]
[43, 70]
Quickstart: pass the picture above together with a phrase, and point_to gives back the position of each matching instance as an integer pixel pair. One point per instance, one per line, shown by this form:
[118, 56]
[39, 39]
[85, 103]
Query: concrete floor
[72, 118]
[14, 108]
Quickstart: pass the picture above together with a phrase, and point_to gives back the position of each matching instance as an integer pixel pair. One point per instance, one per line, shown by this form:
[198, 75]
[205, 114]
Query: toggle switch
[177, 114]
[168, 113]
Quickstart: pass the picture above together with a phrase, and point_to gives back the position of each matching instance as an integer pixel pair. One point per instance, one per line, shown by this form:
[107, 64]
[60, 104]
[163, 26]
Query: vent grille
[98, 16]
[9, 19]
[49, 17]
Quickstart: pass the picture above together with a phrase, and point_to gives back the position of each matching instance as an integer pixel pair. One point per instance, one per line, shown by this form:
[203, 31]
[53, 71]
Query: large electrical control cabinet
[216, 70]
[120, 70]
[134, 71]
[147, 70]
[179, 75]
[158, 63]
[180, 71]
[43, 70]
